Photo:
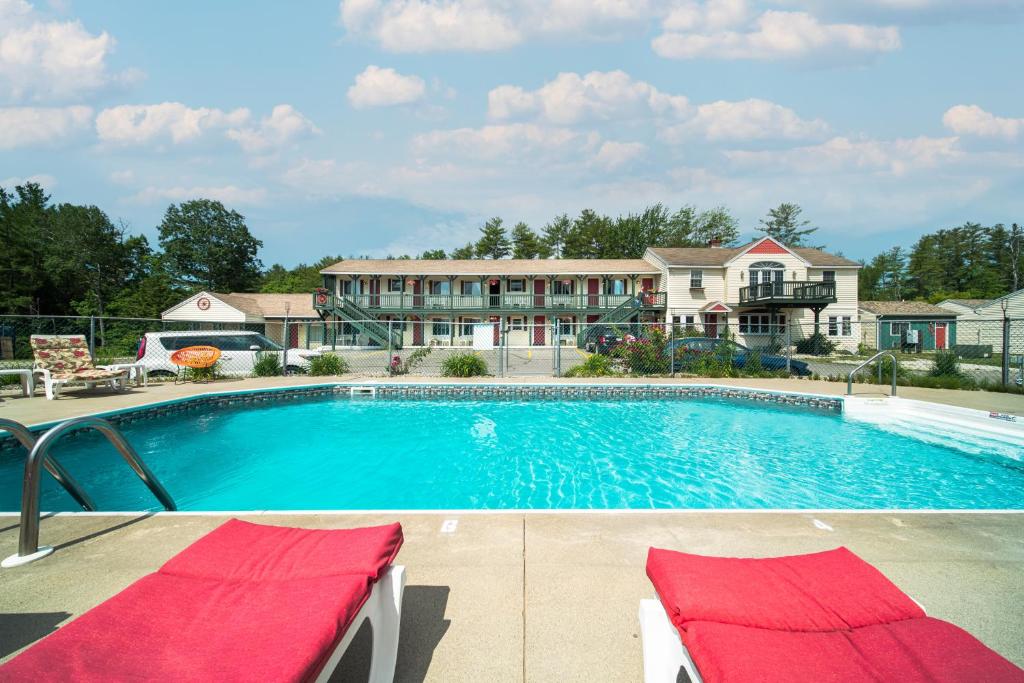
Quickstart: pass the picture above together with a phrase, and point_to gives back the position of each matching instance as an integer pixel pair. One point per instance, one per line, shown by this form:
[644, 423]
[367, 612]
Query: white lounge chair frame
[664, 652]
[384, 610]
[53, 385]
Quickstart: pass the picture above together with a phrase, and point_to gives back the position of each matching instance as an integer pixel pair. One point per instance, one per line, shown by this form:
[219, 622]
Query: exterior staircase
[358, 317]
[618, 315]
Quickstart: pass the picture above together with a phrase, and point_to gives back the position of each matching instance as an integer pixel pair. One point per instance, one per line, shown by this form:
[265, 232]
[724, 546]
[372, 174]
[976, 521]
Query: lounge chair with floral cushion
[64, 358]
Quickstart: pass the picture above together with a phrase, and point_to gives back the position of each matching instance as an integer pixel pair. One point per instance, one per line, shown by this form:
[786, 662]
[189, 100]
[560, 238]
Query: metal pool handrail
[52, 465]
[895, 367]
[28, 539]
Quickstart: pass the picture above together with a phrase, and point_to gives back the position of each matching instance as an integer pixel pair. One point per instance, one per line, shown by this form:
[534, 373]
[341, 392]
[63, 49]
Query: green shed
[910, 326]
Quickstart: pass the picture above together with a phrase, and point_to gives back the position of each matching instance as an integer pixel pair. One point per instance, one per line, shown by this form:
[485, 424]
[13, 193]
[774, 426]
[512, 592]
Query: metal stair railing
[27, 439]
[619, 314]
[365, 321]
[895, 370]
[28, 536]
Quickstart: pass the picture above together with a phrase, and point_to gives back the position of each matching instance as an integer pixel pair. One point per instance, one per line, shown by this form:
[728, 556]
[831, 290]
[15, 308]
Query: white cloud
[429, 25]
[47, 60]
[284, 125]
[841, 154]
[123, 177]
[228, 194]
[600, 95]
[24, 126]
[613, 155]
[971, 119]
[751, 119]
[515, 140]
[711, 15]
[778, 35]
[381, 87]
[46, 180]
[132, 124]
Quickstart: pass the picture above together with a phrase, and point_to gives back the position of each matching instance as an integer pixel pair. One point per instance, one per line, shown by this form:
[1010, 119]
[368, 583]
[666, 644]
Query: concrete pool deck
[543, 596]
[78, 401]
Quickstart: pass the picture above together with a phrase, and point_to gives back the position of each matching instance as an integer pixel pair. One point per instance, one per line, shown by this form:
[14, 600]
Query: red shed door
[538, 329]
[940, 335]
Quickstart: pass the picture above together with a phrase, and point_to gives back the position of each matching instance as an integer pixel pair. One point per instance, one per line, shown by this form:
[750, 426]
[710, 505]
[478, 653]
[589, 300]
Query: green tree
[434, 255]
[525, 242]
[24, 234]
[206, 246]
[884, 278]
[716, 224]
[555, 234]
[681, 229]
[493, 242]
[590, 237]
[466, 252]
[783, 224]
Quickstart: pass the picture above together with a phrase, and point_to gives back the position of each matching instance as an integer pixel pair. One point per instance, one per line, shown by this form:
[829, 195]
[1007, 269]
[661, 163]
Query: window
[516, 286]
[561, 287]
[470, 288]
[467, 326]
[346, 287]
[516, 323]
[616, 287]
[440, 287]
[839, 325]
[828, 275]
[764, 272]
[761, 323]
[565, 326]
[696, 279]
[898, 329]
[395, 285]
[440, 328]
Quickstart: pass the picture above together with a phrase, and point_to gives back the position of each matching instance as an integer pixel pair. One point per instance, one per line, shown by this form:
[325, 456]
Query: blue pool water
[338, 453]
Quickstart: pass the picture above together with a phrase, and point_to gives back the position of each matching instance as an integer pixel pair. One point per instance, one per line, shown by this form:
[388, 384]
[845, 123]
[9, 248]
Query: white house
[980, 320]
[261, 312]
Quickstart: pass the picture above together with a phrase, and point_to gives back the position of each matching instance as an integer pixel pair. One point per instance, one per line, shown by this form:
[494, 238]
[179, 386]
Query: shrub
[327, 364]
[946, 364]
[203, 374]
[266, 365]
[645, 356]
[596, 365]
[464, 364]
[816, 345]
[400, 367]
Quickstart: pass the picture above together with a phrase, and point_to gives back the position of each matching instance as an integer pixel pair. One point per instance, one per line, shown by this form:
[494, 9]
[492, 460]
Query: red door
[647, 284]
[593, 292]
[711, 325]
[293, 335]
[417, 297]
[940, 335]
[592, 318]
[375, 292]
[496, 324]
[538, 293]
[417, 330]
[539, 322]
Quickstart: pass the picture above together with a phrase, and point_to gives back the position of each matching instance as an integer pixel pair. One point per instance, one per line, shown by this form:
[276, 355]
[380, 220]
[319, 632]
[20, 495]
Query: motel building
[754, 290]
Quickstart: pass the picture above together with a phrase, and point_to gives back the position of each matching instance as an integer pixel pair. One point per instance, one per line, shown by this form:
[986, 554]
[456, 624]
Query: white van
[239, 351]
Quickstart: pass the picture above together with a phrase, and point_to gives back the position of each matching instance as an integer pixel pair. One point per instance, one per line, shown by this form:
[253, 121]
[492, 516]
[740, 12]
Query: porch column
[451, 292]
[485, 286]
[401, 293]
[580, 291]
[605, 281]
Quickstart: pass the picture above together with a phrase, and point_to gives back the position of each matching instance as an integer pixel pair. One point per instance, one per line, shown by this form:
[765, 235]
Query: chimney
[715, 243]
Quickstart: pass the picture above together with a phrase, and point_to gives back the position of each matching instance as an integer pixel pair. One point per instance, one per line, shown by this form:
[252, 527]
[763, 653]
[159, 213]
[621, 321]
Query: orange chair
[194, 358]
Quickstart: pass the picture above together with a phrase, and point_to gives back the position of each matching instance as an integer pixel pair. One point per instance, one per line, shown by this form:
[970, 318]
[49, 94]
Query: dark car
[693, 347]
[602, 339]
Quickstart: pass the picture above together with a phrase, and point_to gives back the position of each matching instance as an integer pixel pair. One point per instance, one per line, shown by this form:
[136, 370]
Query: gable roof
[270, 305]
[491, 267]
[720, 256]
[905, 308]
[968, 303]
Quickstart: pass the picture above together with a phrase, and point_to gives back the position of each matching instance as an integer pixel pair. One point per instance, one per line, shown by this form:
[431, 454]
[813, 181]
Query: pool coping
[528, 511]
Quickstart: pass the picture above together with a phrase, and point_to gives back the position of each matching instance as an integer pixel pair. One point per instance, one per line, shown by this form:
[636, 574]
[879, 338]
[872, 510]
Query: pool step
[362, 392]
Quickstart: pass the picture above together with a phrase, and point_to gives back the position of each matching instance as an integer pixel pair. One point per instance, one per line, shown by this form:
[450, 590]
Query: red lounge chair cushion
[238, 550]
[816, 592]
[907, 651]
[174, 628]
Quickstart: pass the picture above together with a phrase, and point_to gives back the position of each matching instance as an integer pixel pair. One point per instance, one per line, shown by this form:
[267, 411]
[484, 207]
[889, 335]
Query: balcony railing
[506, 302]
[795, 292]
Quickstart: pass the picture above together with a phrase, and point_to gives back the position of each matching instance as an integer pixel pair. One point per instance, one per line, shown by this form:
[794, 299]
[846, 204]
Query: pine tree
[525, 243]
[433, 255]
[555, 234]
[783, 224]
[466, 252]
[493, 242]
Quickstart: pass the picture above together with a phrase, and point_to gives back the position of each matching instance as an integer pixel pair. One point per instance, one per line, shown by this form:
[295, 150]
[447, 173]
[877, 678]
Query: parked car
[239, 350]
[693, 347]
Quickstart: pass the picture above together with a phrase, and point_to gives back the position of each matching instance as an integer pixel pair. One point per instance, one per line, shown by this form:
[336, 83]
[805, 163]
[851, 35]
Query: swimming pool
[339, 453]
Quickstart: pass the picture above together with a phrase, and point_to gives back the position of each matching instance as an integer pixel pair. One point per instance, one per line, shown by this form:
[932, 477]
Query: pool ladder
[895, 371]
[39, 457]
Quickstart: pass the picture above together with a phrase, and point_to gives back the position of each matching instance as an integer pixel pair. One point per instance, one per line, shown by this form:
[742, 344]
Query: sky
[376, 127]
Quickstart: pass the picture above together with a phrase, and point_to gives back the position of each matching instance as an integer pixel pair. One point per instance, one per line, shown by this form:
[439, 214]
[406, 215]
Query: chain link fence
[963, 354]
